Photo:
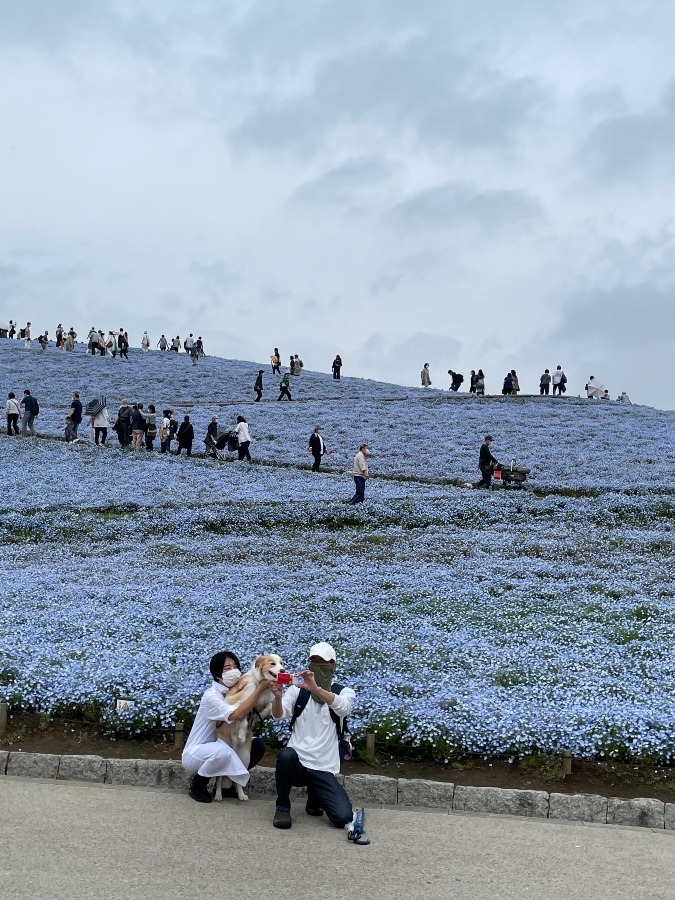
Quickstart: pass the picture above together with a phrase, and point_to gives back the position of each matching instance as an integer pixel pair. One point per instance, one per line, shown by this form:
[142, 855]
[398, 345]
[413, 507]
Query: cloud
[342, 182]
[632, 146]
[455, 204]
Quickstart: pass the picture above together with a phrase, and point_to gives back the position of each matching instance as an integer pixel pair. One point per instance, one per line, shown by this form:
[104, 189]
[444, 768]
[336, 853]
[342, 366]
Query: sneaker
[282, 818]
[313, 809]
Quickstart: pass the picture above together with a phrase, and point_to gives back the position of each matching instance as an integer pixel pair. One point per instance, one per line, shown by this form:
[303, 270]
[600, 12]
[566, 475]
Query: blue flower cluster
[467, 621]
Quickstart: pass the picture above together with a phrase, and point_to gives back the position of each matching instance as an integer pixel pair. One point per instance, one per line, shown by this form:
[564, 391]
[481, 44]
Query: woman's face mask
[230, 677]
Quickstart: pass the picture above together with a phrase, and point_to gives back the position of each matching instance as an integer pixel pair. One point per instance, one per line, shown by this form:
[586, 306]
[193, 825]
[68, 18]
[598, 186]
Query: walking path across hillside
[65, 840]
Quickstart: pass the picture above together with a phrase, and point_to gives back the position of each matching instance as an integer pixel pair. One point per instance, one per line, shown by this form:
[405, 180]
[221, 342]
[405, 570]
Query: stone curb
[372, 790]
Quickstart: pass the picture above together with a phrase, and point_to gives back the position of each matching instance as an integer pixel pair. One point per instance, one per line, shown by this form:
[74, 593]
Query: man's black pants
[317, 462]
[486, 480]
[324, 791]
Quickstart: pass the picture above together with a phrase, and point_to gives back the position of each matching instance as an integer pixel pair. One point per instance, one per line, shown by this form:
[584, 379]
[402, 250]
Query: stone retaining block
[643, 812]
[82, 768]
[4, 756]
[500, 801]
[162, 773]
[670, 816]
[578, 807]
[418, 792]
[372, 789]
[262, 781]
[33, 765]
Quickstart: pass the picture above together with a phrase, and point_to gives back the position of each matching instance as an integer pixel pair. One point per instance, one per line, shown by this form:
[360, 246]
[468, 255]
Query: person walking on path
[12, 330]
[311, 758]
[13, 413]
[317, 448]
[75, 417]
[544, 383]
[199, 343]
[189, 343]
[123, 424]
[165, 431]
[162, 343]
[243, 438]
[138, 426]
[59, 336]
[284, 386]
[337, 365]
[205, 755]
[291, 365]
[186, 435]
[258, 386]
[507, 387]
[559, 381]
[360, 473]
[31, 409]
[145, 342]
[26, 336]
[480, 383]
[175, 344]
[123, 344]
[92, 341]
[515, 384]
[425, 377]
[101, 423]
[43, 341]
[194, 353]
[486, 463]
[211, 437]
[275, 359]
[150, 426]
[473, 378]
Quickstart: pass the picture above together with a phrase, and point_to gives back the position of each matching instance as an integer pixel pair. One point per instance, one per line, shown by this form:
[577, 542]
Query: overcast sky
[462, 183]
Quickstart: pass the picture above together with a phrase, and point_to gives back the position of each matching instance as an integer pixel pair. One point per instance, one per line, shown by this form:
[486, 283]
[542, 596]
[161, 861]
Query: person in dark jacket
[457, 380]
[337, 365]
[284, 386]
[544, 383]
[291, 365]
[507, 387]
[75, 416]
[486, 462]
[186, 435]
[211, 436]
[258, 386]
[138, 426]
[317, 448]
[123, 424]
[122, 344]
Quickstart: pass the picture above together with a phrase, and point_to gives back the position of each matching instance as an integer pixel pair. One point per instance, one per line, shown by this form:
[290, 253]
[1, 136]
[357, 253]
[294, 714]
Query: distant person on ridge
[559, 381]
[145, 342]
[162, 343]
[425, 377]
[275, 359]
[456, 379]
[544, 382]
[507, 387]
[473, 378]
[624, 398]
[515, 384]
[480, 383]
[337, 365]
[43, 341]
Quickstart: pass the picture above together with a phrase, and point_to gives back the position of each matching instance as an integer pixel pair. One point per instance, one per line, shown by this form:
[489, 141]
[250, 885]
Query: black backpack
[341, 730]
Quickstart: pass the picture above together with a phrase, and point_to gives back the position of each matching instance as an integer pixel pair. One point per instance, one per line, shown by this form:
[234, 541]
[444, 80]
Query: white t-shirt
[314, 736]
[12, 407]
[242, 432]
[212, 710]
[557, 376]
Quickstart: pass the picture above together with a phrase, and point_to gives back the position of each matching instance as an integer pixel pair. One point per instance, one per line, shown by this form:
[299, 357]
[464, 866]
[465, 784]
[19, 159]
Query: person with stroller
[486, 463]
[211, 437]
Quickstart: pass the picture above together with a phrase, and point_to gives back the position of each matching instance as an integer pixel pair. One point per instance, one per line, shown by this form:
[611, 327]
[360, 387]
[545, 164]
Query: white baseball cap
[324, 650]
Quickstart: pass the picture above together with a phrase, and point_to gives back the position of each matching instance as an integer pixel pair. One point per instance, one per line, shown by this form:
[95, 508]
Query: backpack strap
[302, 701]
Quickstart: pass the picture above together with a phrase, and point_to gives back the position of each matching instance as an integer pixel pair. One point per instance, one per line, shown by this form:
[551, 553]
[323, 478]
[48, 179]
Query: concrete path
[68, 841]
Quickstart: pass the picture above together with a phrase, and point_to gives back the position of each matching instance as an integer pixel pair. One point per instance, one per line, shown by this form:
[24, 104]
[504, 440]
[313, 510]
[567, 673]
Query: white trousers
[215, 758]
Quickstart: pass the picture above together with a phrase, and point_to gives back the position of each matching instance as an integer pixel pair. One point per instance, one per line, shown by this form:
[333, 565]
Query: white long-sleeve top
[314, 736]
[360, 464]
[212, 710]
[12, 407]
[242, 432]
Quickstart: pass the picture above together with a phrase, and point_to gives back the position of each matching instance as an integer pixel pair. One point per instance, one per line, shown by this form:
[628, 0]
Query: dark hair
[75, 394]
[151, 407]
[488, 437]
[11, 395]
[240, 419]
[218, 661]
[27, 391]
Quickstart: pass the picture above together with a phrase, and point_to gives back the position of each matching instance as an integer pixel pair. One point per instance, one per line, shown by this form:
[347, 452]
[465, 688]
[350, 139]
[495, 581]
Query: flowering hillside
[468, 621]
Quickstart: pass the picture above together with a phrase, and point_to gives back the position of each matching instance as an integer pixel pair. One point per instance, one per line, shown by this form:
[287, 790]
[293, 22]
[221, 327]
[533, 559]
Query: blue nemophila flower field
[469, 622]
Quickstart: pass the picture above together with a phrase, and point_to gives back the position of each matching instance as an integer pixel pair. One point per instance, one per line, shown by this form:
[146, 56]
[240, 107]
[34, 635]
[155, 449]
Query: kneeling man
[205, 755]
[312, 756]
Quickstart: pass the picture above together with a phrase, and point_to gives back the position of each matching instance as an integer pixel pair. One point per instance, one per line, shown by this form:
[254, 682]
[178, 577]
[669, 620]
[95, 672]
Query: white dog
[239, 734]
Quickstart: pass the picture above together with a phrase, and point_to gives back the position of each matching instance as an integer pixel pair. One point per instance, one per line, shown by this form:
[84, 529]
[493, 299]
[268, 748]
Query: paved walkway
[68, 841]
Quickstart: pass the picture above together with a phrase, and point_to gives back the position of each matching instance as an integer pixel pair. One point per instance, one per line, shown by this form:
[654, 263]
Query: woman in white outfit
[207, 756]
[101, 423]
[243, 437]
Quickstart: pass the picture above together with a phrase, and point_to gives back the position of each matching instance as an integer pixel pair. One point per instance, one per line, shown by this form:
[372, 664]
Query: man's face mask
[323, 674]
